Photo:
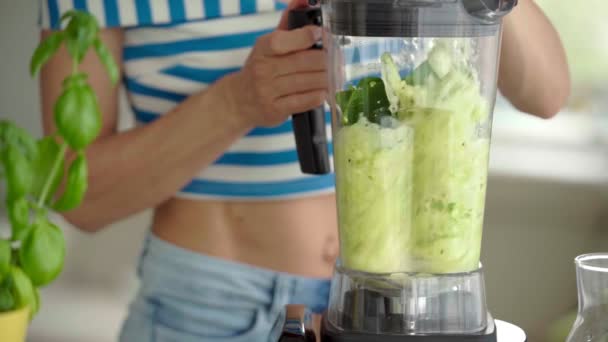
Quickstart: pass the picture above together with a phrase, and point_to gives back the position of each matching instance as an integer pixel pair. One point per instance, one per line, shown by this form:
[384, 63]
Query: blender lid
[416, 18]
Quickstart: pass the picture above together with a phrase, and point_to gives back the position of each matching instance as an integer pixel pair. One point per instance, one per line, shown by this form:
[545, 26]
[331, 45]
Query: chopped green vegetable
[411, 191]
[374, 193]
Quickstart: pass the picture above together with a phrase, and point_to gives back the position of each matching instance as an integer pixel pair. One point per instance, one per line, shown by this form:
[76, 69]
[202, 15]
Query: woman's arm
[145, 166]
[534, 73]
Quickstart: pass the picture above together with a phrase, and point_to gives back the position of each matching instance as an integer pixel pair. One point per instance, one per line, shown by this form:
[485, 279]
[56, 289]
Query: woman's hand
[282, 76]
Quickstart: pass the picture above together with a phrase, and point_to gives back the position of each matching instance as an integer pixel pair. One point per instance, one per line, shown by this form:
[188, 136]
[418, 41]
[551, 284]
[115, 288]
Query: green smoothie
[411, 171]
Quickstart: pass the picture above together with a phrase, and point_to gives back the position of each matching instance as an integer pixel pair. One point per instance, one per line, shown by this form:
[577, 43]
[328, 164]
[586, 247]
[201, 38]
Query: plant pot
[13, 325]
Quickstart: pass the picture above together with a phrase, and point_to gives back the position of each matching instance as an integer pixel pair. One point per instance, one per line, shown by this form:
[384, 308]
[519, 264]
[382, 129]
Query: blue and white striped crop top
[174, 48]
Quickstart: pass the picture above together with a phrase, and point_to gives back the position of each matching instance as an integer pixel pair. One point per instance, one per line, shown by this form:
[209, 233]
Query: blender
[412, 91]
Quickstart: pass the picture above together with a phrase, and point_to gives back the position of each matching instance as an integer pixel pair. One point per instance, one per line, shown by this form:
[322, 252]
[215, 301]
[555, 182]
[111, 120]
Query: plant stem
[15, 256]
[52, 174]
[74, 66]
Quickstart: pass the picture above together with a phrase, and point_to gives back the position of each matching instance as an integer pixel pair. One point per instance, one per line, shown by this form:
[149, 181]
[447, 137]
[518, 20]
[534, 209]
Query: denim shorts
[187, 297]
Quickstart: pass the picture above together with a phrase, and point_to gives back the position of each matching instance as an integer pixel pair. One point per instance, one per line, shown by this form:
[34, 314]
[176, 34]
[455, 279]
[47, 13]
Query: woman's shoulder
[145, 13]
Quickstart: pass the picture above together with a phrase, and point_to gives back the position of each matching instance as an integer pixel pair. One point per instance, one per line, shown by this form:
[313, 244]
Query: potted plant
[46, 174]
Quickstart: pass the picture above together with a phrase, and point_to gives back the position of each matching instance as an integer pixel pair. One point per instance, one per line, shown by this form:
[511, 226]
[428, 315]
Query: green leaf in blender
[343, 97]
[367, 98]
[354, 107]
[374, 100]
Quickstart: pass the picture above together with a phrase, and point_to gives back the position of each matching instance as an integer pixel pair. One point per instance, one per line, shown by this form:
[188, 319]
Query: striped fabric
[174, 48]
[137, 13]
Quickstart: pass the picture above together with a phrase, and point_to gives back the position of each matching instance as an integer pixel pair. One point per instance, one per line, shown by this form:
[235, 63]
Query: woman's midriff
[297, 236]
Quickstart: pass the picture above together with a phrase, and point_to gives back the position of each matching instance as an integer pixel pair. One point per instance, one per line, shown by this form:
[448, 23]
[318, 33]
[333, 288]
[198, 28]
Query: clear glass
[411, 126]
[591, 324]
[408, 304]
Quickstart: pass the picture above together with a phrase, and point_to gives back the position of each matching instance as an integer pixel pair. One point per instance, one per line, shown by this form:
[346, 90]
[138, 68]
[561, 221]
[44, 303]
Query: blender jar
[413, 86]
[412, 90]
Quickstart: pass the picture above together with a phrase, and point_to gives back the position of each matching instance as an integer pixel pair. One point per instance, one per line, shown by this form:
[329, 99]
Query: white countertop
[507, 332]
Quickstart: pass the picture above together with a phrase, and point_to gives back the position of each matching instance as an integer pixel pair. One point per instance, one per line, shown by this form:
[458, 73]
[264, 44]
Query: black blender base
[331, 334]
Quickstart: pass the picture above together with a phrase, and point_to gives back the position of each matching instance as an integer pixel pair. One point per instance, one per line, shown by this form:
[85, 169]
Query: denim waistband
[167, 269]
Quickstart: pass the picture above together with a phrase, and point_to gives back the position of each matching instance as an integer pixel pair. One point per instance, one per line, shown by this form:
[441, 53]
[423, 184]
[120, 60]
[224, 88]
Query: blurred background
[547, 195]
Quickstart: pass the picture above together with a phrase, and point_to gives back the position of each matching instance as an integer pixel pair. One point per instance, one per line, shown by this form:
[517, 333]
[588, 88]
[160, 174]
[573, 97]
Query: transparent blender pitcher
[412, 90]
[591, 324]
[412, 107]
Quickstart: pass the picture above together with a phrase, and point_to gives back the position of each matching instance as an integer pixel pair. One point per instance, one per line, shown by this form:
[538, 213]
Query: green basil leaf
[42, 253]
[19, 216]
[373, 94]
[45, 50]
[367, 98]
[376, 115]
[22, 289]
[76, 185]
[37, 301]
[69, 15]
[77, 116]
[81, 31]
[18, 172]
[5, 259]
[22, 233]
[15, 135]
[73, 49]
[343, 97]
[49, 151]
[7, 301]
[106, 58]
[354, 107]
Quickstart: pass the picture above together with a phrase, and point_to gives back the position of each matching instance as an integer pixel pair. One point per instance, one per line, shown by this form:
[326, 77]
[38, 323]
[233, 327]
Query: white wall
[89, 300]
[533, 230]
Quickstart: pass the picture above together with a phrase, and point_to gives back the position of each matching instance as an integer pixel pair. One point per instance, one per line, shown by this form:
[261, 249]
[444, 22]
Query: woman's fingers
[281, 42]
[302, 82]
[303, 61]
[298, 103]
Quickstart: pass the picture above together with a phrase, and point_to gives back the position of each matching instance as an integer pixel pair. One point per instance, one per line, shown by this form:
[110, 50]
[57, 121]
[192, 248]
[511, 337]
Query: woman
[238, 232]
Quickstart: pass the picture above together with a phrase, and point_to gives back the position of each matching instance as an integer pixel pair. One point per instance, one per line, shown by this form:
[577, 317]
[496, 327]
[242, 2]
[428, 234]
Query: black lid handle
[309, 127]
[489, 9]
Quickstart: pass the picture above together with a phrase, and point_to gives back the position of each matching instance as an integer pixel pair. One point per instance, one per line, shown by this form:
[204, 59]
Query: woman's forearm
[534, 73]
[143, 167]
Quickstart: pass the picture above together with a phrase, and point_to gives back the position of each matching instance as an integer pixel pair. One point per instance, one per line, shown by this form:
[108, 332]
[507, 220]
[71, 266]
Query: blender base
[498, 332]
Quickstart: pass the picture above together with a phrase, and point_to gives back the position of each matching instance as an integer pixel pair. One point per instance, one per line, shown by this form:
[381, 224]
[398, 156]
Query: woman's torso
[252, 205]
[295, 236]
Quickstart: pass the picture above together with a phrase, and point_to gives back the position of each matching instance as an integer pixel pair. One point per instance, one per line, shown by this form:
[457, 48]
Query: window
[572, 146]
